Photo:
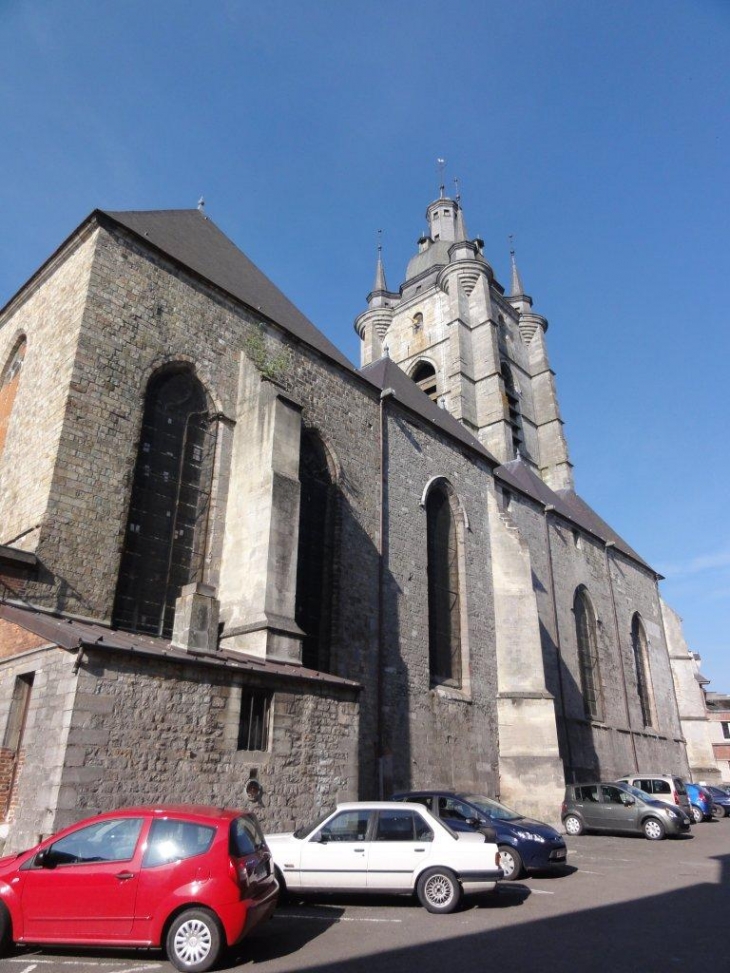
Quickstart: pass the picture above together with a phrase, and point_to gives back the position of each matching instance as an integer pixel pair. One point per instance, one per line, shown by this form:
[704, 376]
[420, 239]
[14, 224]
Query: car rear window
[245, 836]
[679, 785]
[171, 840]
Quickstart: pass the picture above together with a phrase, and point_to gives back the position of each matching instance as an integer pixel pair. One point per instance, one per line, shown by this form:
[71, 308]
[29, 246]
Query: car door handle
[419, 849]
[124, 876]
[359, 851]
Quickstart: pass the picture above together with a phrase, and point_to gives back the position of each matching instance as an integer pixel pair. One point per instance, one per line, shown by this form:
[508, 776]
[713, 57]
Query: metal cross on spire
[441, 165]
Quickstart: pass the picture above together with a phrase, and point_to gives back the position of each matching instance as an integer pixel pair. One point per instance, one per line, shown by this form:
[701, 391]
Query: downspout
[610, 544]
[380, 679]
[548, 510]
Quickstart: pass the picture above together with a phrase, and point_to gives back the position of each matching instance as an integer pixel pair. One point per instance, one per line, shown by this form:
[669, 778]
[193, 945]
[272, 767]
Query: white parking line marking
[97, 964]
[29, 968]
[304, 915]
[541, 892]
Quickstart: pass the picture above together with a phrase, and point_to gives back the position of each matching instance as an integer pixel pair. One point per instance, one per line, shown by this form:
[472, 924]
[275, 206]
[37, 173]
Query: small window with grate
[253, 725]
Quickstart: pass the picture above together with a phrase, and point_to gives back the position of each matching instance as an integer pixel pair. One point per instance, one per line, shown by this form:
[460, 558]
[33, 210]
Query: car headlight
[529, 836]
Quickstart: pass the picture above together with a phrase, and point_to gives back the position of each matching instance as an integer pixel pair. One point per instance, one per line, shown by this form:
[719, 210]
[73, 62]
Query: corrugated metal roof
[74, 633]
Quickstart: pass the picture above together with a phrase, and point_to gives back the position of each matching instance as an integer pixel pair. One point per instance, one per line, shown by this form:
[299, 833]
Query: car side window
[172, 841]
[449, 807]
[662, 787]
[588, 793]
[611, 795]
[644, 785]
[105, 841]
[402, 826]
[425, 799]
[346, 826]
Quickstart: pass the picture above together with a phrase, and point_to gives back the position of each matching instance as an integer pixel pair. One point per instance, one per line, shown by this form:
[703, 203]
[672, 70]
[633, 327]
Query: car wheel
[438, 890]
[194, 941]
[717, 811]
[511, 862]
[653, 829]
[573, 825]
[726, 812]
[697, 815]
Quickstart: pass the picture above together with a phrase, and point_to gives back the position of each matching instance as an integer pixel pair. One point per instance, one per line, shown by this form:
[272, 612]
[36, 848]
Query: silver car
[619, 807]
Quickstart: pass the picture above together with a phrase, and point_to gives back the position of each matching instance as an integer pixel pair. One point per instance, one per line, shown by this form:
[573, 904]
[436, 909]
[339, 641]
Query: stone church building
[238, 570]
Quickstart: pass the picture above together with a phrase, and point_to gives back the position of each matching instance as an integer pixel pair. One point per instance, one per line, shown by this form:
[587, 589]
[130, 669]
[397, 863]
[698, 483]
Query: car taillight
[564, 807]
[238, 872]
[676, 797]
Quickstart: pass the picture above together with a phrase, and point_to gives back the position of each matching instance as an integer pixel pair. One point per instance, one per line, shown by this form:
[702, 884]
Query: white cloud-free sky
[597, 134]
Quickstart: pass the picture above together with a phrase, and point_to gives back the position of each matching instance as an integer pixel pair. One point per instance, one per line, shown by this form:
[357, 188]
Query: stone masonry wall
[148, 731]
[600, 747]
[437, 737]
[50, 317]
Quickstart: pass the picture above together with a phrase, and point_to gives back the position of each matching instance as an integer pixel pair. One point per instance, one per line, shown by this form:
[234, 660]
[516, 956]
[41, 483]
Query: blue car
[701, 801]
[524, 844]
[720, 801]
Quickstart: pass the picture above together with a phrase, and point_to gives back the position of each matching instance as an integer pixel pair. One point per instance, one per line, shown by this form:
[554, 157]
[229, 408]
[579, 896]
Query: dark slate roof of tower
[567, 504]
[384, 374]
[192, 239]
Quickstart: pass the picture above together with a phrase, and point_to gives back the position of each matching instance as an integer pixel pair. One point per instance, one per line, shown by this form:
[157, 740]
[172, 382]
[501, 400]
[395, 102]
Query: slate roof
[567, 504]
[192, 239]
[384, 374]
[73, 633]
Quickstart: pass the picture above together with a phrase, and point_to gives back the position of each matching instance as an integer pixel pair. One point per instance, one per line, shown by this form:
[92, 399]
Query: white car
[381, 847]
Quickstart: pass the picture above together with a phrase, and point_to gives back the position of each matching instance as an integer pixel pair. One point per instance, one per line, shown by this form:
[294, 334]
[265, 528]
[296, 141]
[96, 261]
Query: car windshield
[492, 809]
[307, 829]
[636, 792]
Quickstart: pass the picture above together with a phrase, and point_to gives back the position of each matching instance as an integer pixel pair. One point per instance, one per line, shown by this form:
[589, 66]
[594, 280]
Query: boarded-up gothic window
[164, 544]
[590, 677]
[9, 386]
[641, 661]
[12, 744]
[317, 516]
[444, 609]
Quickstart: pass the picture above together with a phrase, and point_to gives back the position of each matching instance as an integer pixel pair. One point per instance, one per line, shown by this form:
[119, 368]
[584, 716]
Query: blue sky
[596, 133]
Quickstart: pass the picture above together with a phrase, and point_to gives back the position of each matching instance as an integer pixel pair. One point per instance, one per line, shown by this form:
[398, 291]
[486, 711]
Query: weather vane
[458, 191]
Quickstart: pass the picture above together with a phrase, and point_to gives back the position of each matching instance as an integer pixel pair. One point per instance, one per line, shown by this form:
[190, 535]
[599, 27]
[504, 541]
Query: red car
[190, 879]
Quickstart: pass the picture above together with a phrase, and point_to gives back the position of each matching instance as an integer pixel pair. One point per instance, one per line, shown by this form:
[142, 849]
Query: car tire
[194, 941]
[697, 815]
[726, 812]
[653, 829]
[573, 825]
[283, 893]
[511, 862]
[717, 811]
[438, 890]
[6, 940]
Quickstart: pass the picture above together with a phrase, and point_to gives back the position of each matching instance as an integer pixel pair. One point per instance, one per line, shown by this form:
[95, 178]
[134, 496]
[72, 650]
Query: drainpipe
[380, 736]
[549, 508]
[610, 544]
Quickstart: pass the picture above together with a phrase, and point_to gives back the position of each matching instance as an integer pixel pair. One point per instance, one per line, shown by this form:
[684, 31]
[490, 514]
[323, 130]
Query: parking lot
[645, 905]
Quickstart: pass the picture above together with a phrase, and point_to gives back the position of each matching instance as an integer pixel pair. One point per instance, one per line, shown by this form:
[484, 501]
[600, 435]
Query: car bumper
[239, 919]
[484, 880]
[541, 856]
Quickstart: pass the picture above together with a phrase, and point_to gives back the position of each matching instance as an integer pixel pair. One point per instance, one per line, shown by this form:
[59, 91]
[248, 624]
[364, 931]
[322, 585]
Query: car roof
[198, 811]
[378, 805]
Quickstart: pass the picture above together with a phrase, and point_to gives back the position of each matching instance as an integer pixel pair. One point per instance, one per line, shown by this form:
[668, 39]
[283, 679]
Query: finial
[441, 164]
[380, 242]
[201, 204]
[380, 284]
[458, 191]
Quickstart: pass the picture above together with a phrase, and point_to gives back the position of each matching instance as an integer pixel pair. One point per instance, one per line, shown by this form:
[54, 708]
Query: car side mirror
[629, 802]
[322, 838]
[473, 822]
[44, 859]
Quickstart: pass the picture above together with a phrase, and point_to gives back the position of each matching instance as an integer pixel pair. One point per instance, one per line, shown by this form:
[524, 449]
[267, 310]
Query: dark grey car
[609, 806]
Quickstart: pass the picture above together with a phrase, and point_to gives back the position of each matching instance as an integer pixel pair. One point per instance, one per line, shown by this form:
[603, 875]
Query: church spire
[517, 289]
[380, 284]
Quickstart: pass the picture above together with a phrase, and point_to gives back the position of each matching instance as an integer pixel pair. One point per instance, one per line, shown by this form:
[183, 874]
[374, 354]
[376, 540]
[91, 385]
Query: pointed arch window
[444, 599]
[640, 648]
[315, 558]
[512, 405]
[9, 386]
[587, 637]
[164, 544]
[424, 375]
